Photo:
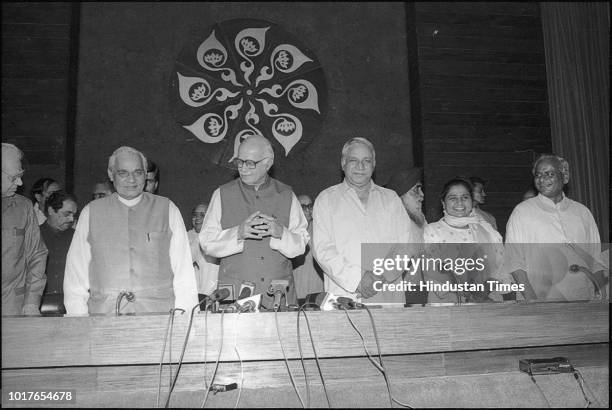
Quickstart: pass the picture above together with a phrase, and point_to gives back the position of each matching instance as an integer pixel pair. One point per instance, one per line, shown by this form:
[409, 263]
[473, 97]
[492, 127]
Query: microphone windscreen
[245, 293]
[221, 294]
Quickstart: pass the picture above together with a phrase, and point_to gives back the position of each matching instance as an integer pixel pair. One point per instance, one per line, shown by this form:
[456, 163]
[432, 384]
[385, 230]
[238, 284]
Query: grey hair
[120, 150]
[563, 164]
[357, 140]
[268, 150]
[6, 147]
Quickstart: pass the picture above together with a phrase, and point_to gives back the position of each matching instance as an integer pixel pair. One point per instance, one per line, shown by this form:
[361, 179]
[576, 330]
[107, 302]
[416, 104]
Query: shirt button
[261, 257]
[262, 279]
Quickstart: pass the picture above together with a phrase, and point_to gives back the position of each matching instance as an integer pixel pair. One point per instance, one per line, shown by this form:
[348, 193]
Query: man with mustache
[552, 218]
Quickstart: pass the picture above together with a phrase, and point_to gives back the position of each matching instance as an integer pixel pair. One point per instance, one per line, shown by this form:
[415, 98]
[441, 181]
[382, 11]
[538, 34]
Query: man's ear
[566, 177]
[110, 175]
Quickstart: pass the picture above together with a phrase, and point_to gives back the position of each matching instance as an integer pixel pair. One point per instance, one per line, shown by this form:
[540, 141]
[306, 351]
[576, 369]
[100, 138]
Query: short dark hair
[56, 201]
[40, 186]
[477, 180]
[457, 181]
[152, 167]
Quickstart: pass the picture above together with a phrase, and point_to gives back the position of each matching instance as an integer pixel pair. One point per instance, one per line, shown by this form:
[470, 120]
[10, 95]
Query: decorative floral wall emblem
[246, 77]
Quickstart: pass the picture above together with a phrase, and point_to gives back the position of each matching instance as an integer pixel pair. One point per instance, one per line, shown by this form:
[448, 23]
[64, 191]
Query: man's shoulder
[385, 192]
[22, 201]
[578, 206]
[332, 190]
[280, 186]
[525, 207]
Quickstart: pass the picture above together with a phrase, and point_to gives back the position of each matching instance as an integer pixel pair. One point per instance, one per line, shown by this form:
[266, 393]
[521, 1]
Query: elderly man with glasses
[24, 255]
[131, 243]
[552, 242]
[254, 224]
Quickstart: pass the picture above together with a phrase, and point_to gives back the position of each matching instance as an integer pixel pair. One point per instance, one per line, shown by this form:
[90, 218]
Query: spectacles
[13, 178]
[547, 175]
[198, 214]
[123, 174]
[249, 163]
[306, 207]
[365, 163]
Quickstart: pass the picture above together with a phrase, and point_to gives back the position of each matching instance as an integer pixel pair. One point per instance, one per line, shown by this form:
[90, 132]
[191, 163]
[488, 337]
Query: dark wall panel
[127, 52]
[35, 75]
[482, 86]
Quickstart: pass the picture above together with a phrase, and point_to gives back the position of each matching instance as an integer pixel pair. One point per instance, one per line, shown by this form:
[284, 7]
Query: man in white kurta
[130, 241]
[352, 213]
[206, 267]
[548, 234]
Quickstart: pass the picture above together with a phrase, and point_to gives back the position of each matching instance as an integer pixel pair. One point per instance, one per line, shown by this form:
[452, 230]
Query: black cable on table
[301, 309]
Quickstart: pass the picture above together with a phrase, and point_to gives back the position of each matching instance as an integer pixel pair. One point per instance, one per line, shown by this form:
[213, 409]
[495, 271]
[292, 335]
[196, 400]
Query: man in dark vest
[130, 243]
[254, 224]
[57, 232]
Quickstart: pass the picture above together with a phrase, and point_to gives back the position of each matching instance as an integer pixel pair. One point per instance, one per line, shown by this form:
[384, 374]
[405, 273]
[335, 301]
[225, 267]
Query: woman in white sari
[458, 237]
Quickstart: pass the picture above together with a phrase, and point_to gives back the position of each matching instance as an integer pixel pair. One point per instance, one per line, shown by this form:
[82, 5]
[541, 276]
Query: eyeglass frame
[247, 162]
[307, 206]
[14, 178]
[137, 173]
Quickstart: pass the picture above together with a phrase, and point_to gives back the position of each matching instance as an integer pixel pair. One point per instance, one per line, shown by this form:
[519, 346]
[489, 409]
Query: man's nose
[18, 181]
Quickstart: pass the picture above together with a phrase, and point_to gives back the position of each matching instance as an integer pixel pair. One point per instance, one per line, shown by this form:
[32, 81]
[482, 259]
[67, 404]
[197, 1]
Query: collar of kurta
[549, 204]
[129, 202]
[347, 187]
[264, 185]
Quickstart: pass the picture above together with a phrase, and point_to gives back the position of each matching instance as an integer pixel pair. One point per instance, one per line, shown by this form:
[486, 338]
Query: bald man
[254, 224]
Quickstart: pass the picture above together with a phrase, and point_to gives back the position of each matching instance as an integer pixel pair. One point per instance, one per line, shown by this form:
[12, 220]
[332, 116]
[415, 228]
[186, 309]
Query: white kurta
[76, 275]
[341, 223]
[207, 269]
[539, 220]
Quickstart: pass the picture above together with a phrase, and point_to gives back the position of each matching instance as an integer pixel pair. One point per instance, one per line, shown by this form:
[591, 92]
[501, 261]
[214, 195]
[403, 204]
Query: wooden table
[456, 356]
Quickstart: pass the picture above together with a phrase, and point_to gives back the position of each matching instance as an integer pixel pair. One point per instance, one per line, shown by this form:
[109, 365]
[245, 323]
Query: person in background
[101, 190]
[307, 273]
[355, 212]
[479, 200]
[548, 271]
[530, 193]
[60, 209]
[131, 243]
[152, 181]
[206, 267]
[24, 254]
[408, 184]
[255, 225]
[41, 190]
[446, 238]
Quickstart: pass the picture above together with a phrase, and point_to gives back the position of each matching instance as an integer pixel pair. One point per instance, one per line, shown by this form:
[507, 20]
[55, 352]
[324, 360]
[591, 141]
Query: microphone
[245, 293]
[278, 288]
[124, 293]
[248, 306]
[218, 295]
